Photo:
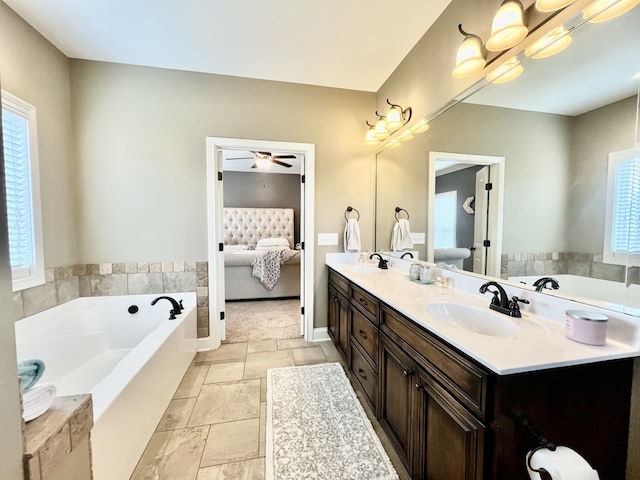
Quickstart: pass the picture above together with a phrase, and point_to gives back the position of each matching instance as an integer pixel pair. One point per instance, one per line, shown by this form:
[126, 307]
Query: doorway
[216, 148]
[485, 205]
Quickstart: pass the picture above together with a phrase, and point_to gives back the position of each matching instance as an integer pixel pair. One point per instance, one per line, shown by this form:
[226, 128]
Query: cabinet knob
[363, 302]
[361, 372]
[407, 371]
[419, 387]
[363, 334]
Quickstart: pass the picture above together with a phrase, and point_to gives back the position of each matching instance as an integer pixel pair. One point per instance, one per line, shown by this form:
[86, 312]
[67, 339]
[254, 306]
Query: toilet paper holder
[543, 443]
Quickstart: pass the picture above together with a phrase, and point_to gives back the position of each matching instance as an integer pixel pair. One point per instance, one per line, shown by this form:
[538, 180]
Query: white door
[480, 225]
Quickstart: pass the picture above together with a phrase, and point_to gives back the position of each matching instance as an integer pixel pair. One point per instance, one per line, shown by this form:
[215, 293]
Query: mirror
[555, 125]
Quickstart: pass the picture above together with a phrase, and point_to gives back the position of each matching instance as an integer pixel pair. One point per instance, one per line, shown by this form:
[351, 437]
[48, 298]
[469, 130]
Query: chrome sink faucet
[382, 263]
[500, 301]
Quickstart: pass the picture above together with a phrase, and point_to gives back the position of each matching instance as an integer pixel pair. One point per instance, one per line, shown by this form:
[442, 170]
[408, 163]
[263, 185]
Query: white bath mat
[317, 429]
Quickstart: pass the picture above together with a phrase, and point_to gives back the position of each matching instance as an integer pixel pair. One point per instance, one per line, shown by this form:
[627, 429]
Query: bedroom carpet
[316, 428]
[253, 321]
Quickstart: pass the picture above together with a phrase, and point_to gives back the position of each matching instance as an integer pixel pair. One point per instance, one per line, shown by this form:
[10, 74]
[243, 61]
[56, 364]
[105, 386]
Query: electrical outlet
[417, 238]
[327, 239]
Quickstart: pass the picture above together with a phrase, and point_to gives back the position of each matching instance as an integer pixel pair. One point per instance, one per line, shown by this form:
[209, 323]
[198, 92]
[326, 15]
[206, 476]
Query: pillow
[235, 248]
[272, 243]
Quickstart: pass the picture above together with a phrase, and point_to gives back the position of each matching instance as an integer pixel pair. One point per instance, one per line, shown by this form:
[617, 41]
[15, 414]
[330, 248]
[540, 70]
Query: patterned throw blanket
[266, 266]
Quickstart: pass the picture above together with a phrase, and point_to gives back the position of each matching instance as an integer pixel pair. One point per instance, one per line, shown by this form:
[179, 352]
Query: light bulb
[370, 138]
[394, 119]
[381, 130]
[469, 59]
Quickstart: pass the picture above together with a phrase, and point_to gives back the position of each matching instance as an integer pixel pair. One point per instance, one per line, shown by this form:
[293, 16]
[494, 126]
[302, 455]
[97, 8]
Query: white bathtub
[130, 363]
[604, 293]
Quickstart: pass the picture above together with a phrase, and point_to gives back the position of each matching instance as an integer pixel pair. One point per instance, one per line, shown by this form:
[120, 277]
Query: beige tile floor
[214, 428]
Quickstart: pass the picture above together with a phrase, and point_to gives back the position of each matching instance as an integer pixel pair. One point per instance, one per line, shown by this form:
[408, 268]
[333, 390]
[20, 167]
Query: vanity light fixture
[508, 28]
[381, 128]
[470, 58]
[397, 116]
[370, 138]
[509, 70]
[614, 8]
[405, 136]
[552, 5]
[554, 42]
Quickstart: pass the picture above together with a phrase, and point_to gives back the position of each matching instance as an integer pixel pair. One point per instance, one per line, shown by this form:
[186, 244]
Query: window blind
[625, 235]
[445, 220]
[15, 131]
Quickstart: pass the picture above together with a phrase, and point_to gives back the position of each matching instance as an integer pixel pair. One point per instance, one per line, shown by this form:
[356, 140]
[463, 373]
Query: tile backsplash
[63, 284]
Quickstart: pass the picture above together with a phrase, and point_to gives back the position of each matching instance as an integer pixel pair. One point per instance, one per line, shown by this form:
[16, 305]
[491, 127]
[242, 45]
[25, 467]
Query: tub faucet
[382, 263]
[406, 253]
[176, 310]
[541, 283]
[500, 301]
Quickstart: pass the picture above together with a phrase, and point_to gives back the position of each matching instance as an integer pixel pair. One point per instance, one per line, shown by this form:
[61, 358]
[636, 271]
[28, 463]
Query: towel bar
[398, 210]
[351, 209]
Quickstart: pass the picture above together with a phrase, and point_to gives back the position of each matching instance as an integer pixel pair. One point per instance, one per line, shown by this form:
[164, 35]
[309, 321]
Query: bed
[264, 236]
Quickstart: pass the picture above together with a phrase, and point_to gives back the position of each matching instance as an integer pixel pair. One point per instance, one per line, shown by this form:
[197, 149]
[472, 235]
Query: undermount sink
[472, 319]
[363, 268]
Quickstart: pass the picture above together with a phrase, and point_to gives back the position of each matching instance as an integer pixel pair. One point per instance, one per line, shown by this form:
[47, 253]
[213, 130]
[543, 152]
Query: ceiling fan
[262, 159]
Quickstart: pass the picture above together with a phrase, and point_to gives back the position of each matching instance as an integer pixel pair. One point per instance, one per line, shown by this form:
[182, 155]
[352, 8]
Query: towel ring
[351, 209]
[398, 210]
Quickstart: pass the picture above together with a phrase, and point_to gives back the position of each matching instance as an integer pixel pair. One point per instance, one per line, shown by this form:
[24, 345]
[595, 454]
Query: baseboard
[320, 334]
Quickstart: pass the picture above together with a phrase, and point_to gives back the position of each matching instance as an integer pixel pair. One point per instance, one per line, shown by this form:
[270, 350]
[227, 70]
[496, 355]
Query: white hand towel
[37, 400]
[352, 236]
[401, 236]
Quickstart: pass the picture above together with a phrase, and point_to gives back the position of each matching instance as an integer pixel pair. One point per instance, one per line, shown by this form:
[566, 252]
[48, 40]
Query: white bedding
[244, 258]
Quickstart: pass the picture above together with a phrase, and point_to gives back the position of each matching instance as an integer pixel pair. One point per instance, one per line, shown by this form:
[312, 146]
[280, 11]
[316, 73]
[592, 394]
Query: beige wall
[35, 71]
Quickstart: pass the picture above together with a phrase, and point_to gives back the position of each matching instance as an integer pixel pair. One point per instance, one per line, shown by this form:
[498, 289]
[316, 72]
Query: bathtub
[131, 363]
[603, 293]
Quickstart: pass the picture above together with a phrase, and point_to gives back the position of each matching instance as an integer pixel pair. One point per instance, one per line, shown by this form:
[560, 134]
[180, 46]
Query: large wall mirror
[555, 126]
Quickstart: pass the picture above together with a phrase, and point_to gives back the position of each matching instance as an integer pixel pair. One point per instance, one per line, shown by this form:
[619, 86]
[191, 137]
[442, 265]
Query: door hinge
[220, 247]
[301, 245]
[221, 315]
[301, 178]
[486, 243]
[220, 176]
[488, 186]
[301, 310]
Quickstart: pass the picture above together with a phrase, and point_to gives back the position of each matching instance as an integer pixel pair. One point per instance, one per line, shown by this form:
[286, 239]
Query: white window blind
[22, 195]
[445, 220]
[622, 233]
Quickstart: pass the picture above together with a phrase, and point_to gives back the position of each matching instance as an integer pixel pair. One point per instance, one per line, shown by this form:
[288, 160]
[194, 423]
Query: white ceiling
[333, 43]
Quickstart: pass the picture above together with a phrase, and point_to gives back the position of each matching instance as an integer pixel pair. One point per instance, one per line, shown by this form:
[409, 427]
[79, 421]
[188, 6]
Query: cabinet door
[343, 325]
[333, 314]
[395, 391]
[451, 440]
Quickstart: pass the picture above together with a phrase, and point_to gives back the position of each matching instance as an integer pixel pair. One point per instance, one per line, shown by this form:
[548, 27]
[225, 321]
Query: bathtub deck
[84, 378]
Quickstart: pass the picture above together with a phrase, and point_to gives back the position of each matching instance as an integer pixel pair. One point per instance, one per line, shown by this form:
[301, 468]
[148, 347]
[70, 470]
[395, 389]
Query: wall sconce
[395, 119]
[614, 8]
[470, 58]
[508, 28]
[554, 42]
[509, 70]
[552, 5]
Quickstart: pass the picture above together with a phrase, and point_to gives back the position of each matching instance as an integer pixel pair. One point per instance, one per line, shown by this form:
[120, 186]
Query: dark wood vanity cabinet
[338, 312]
[449, 418]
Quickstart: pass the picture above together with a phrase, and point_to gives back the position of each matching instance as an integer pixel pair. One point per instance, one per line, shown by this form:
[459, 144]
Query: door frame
[495, 205]
[215, 229]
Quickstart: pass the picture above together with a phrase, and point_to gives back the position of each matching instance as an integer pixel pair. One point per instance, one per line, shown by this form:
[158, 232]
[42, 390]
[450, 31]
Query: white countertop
[539, 344]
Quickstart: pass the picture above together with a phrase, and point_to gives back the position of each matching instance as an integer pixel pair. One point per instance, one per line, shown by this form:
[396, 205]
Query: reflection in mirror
[555, 126]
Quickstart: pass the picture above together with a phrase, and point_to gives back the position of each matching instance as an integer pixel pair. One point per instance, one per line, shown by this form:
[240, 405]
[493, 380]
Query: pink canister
[586, 327]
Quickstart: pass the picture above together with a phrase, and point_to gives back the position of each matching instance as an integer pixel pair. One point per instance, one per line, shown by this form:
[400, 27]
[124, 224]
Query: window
[22, 192]
[445, 220]
[622, 224]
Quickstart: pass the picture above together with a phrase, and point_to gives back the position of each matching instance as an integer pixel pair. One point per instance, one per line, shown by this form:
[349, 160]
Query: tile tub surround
[63, 284]
[56, 435]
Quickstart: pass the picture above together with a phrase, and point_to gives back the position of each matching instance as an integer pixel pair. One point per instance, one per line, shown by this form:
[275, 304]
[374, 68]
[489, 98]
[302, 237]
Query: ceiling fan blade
[281, 163]
[241, 158]
[284, 156]
[255, 165]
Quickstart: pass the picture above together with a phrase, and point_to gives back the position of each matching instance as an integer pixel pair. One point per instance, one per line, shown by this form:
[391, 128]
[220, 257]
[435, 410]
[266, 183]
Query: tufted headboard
[245, 226]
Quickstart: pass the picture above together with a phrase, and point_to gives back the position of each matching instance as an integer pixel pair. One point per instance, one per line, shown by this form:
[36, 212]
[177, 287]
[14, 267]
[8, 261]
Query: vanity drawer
[365, 375]
[365, 334]
[459, 375]
[339, 282]
[366, 302]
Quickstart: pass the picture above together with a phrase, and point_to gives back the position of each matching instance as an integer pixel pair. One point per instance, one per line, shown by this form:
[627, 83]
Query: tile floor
[214, 427]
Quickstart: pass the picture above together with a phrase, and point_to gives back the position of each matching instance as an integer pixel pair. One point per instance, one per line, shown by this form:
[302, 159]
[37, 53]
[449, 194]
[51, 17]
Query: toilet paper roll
[563, 463]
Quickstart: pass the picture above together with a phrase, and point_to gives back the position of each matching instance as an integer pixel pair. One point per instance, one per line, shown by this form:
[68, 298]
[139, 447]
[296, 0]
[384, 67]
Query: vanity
[458, 404]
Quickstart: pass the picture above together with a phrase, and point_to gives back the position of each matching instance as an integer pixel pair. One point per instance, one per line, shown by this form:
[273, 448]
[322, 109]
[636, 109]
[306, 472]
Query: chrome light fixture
[508, 28]
[396, 118]
[470, 58]
[554, 42]
[614, 8]
[552, 5]
[509, 70]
